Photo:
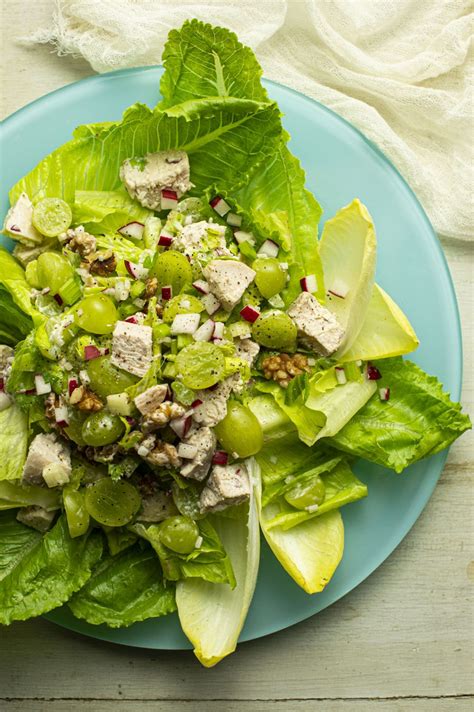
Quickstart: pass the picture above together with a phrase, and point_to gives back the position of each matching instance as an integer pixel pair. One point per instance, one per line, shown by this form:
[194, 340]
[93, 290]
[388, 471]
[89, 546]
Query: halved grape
[102, 428]
[106, 379]
[275, 330]
[76, 513]
[172, 268]
[306, 494]
[240, 433]
[270, 278]
[74, 429]
[182, 304]
[31, 274]
[179, 534]
[51, 216]
[201, 365]
[96, 314]
[53, 270]
[112, 503]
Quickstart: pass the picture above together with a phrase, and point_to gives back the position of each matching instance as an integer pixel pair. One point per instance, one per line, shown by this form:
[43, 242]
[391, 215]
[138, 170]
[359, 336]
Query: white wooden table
[402, 641]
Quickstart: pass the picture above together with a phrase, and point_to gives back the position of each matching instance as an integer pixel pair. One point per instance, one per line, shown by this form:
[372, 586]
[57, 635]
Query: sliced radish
[166, 292]
[218, 330]
[241, 236]
[205, 331]
[384, 394]
[27, 392]
[61, 416]
[269, 248]
[220, 457]
[373, 373]
[339, 289]
[181, 426]
[196, 403]
[131, 421]
[187, 451]
[132, 229]
[309, 283]
[58, 299]
[132, 269]
[249, 313]
[41, 386]
[91, 352]
[219, 205]
[165, 239]
[234, 220]
[340, 375]
[104, 351]
[169, 199]
[132, 319]
[201, 286]
[211, 304]
[185, 324]
[72, 384]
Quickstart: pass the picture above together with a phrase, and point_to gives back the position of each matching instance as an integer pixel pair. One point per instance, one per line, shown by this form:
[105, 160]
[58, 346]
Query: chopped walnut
[85, 399]
[164, 455]
[102, 263]
[78, 240]
[50, 403]
[151, 287]
[283, 367]
[162, 415]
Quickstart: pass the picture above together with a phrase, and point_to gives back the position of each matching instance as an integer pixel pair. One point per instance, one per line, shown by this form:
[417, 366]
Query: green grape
[111, 503]
[275, 330]
[187, 501]
[51, 216]
[201, 365]
[106, 379]
[102, 428]
[179, 534]
[96, 314]
[53, 270]
[182, 304]
[306, 494]
[239, 432]
[270, 278]
[74, 429]
[172, 268]
[31, 274]
[76, 513]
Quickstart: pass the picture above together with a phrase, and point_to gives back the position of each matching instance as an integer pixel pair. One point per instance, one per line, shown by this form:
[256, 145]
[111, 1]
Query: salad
[184, 364]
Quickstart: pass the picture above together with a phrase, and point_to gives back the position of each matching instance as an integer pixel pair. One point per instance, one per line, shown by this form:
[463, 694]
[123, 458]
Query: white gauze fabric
[400, 70]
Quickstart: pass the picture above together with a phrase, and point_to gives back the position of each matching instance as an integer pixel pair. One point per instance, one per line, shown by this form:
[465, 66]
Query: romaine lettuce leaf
[13, 442]
[385, 332]
[40, 573]
[348, 249]
[213, 615]
[14, 323]
[105, 211]
[12, 277]
[124, 589]
[418, 420]
[210, 562]
[13, 494]
[224, 137]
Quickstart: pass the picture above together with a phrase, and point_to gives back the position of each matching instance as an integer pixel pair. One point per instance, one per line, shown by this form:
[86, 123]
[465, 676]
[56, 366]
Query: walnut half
[85, 400]
[283, 367]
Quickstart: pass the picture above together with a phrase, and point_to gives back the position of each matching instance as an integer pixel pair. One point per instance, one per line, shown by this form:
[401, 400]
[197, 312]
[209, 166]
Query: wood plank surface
[402, 641]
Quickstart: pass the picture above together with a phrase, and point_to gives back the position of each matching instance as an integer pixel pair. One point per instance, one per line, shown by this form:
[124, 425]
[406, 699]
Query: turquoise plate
[340, 164]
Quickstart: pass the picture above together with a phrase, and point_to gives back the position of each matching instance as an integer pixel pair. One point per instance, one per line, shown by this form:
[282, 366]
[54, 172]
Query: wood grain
[402, 641]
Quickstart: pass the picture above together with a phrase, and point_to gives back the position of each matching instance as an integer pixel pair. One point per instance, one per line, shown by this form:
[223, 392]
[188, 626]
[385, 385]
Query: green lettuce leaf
[14, 495]
[124, 589]
[105, 211]
[418, 420]
[14, 323]
[41, 573]
[385, 332]
[213, 615]
[224, 137]
[12, 277]
[210, 562]
[348, 250]
[13, 442]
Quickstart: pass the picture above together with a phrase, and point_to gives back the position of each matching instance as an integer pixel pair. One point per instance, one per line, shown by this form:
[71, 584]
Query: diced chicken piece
[156, 507]
[228, 280]
[45, 451]
[214, 403]
[205, 441]
[247, 350]
[19, 222]
[318, 329]
[227, 485]
[132, 347]
[145, 178]
[36, 517]
[6, 360]
[202, 237]
[149, 400]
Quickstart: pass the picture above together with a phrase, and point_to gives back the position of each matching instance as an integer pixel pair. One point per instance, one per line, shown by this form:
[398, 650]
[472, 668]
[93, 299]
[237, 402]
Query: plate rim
[389, 549]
